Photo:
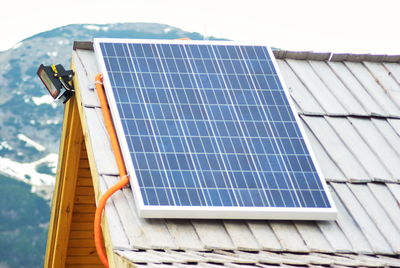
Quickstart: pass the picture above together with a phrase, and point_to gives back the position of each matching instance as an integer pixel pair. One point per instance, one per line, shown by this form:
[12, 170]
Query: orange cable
[98, 239]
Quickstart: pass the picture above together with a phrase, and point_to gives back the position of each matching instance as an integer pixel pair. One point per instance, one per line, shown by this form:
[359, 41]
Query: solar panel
[208, 130]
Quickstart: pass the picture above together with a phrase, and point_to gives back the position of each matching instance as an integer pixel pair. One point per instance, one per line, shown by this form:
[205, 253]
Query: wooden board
[299, 92]
[385, 80]
[241, 235]
[288, 236]
[82, 234]
[63, 202]
[213, 234]
[384, 151]
[264, 235]
[81, 250]
[86, 65]
[318, 89]
[84, 182]
[335, 236]
[84, 266]
[365, 223]
[115, 229]
[356, 89]
[377, 213]
[359, 148]
[130, 227]
[338, 89]
[387, 200]
[84, 163]
[184, 234]
[82, 226]
[330, 169]
[349, 227]
[89, 251]
[83, 260]
[84, 208]
[84, 173]
[102, 151]
[79, 243]
[313, 236]
[394, 70]
[84, 191]
[373, 88]
[83, 217]
[336, 149]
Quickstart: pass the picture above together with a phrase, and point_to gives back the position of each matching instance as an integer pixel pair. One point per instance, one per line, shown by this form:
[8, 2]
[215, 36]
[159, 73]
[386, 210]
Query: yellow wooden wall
[81, 250]
[70, 240]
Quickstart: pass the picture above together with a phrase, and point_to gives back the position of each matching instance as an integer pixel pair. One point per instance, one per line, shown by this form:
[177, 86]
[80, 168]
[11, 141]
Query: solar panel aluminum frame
[209, 212]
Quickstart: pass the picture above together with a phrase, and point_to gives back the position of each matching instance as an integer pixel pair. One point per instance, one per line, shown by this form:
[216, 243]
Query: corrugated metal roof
[351, 113]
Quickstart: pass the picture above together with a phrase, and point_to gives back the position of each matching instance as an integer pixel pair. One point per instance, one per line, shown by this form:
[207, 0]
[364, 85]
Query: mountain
[30, 122]
[24, 218]
[30, 129]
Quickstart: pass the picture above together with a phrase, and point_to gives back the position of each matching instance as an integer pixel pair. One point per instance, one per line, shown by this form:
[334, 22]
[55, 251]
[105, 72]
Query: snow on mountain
[30, 128]
[23, 105]
[96, 28]
[45, 99]
[5, 145]
[30, 120]
[28, 172]
[17, 45]
[52, 54]
[31, 143]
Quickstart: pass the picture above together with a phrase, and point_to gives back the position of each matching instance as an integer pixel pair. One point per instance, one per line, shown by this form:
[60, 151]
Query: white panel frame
[210, 212]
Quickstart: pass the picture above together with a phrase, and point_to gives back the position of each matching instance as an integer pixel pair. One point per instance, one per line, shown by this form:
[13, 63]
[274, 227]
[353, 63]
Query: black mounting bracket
[58, 81]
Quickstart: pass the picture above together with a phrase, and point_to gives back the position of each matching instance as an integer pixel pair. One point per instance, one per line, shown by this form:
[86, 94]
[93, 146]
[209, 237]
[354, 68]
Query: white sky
[320, 25]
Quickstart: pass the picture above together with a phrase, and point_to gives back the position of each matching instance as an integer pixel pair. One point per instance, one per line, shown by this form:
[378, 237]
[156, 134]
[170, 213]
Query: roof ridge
[299, 55]
[330, 56]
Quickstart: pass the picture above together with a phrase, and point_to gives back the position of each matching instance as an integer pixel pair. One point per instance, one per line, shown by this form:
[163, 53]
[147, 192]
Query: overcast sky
[318, 25]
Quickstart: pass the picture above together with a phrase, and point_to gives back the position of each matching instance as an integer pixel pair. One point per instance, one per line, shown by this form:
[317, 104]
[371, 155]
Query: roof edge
[85, 45]
[299, 55]
[330, 56]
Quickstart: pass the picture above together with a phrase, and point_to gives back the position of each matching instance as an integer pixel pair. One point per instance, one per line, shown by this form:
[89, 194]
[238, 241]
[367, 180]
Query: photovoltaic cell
[208, 131]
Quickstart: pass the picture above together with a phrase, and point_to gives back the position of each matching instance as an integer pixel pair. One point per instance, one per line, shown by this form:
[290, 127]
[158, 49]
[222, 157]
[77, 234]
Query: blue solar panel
[208, 131]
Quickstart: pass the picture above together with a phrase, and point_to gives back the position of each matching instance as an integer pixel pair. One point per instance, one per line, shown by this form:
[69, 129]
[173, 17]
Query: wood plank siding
[63, 197]
[70, 241]
[81, 250]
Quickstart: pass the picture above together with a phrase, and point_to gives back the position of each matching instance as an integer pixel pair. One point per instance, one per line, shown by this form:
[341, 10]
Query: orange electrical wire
[98, 239]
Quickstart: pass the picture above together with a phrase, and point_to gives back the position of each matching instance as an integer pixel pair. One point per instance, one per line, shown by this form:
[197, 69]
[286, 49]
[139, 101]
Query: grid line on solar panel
[201, 115]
